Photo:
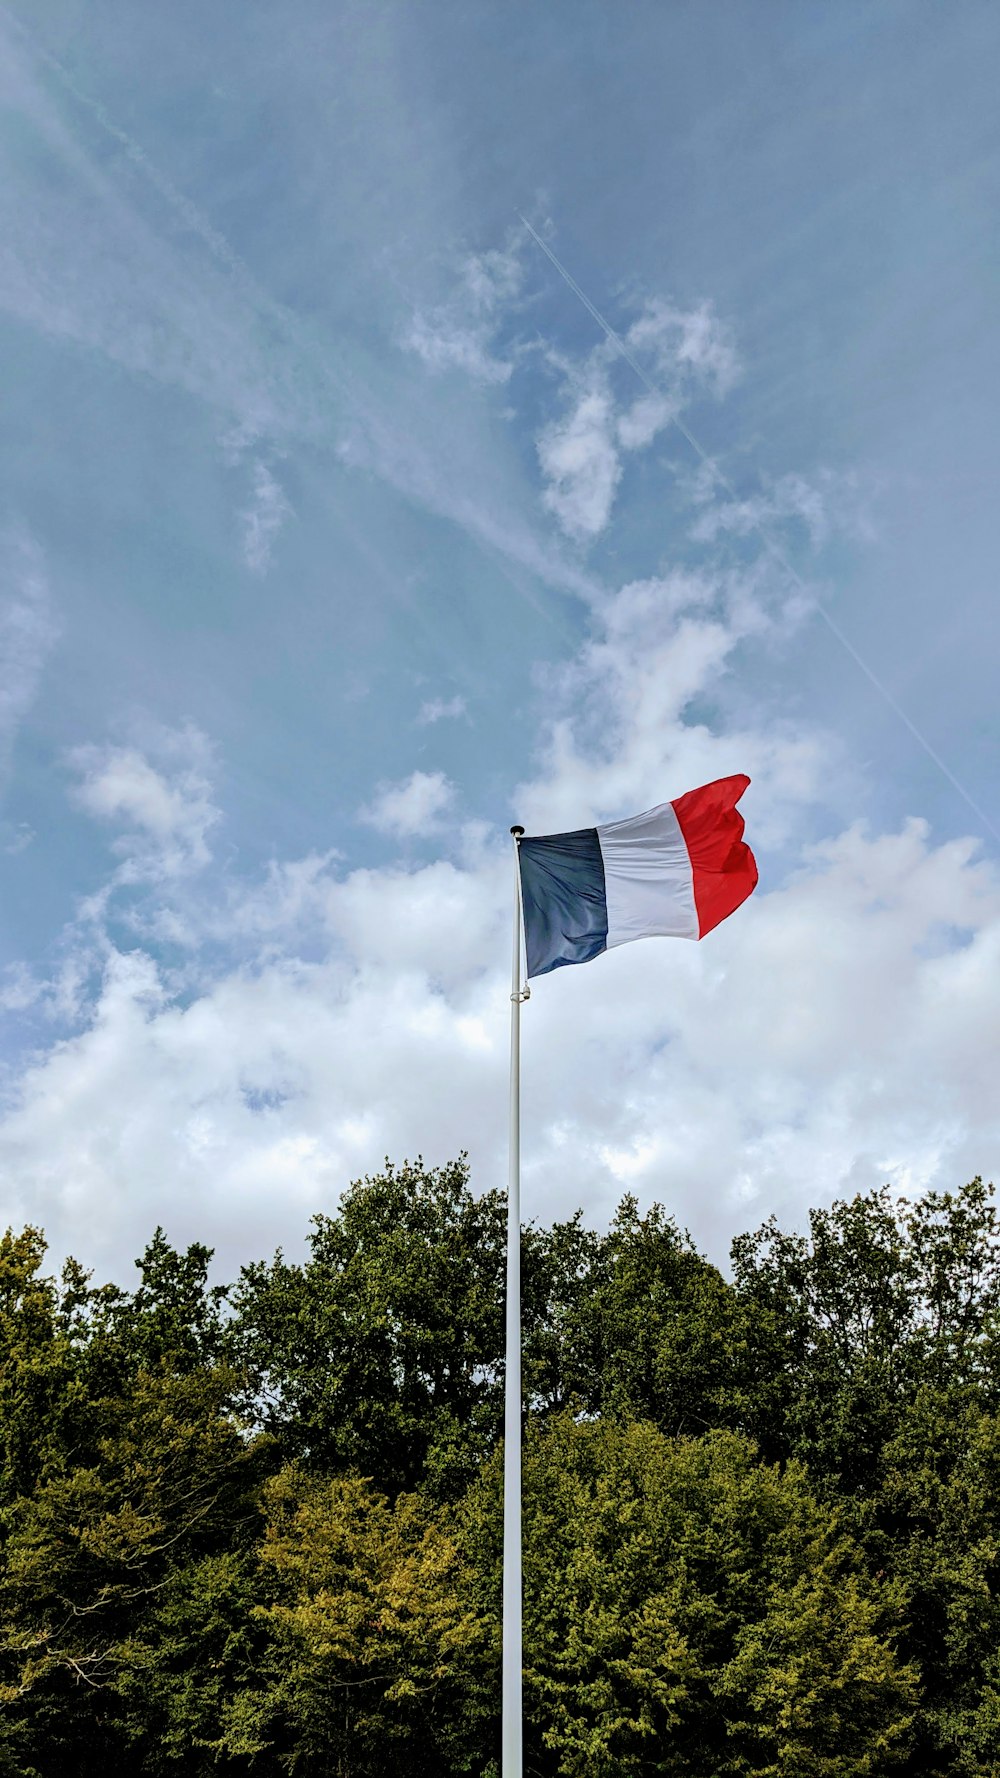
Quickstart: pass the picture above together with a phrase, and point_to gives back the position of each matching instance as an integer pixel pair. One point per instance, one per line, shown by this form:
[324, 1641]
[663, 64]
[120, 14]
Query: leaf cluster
[257, 1529]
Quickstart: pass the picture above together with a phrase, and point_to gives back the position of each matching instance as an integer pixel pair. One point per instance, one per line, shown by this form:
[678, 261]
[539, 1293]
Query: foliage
[256, 1530]
[377, 1354]
[656, 1331]
[383, 1353]
[689, 1611]
[881, 1326]
[125, 1468]
[375, 1655]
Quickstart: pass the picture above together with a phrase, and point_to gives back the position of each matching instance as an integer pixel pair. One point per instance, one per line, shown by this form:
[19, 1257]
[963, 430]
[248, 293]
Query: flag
[675, 872]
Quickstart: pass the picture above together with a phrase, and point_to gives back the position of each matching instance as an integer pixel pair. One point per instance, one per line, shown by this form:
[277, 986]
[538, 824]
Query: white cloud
[580, 454]
[441, 710]
[165, 809]
[27, 633]
[579, 458]
[412, 806]
[262, 1092]
[622, 733]
[827, 503]
[839, 1031]
[19, 989]
[638, 425]
[287, 905]
[17, 839]
[829, 1036]
[695, 343]
[448, 346]
[459, 334]
[263, 518]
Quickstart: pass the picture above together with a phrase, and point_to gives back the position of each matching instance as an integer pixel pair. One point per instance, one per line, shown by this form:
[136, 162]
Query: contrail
[773, 549]
[308, 385]
[182, 206]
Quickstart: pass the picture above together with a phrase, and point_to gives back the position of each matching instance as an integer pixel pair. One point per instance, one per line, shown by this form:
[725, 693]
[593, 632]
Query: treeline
[258, 1529]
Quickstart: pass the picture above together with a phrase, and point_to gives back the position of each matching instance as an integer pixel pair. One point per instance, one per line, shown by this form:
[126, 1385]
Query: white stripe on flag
[648, 878]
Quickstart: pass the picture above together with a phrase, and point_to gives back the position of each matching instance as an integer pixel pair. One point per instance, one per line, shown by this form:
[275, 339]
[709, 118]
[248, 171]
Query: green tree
[376, 1658]
[383, 1354]
[36, 1365]
[936, 1528]
[654, 1332]
[762, 1519]
[91, 1553]
[853, 1319]
[835, 1311]
[692, 1612]
[880, 1329]
[122, 1469]
[379, 1353]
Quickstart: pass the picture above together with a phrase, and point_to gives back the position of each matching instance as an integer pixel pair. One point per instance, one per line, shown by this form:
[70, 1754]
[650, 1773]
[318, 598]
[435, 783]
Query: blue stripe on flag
[565, 905]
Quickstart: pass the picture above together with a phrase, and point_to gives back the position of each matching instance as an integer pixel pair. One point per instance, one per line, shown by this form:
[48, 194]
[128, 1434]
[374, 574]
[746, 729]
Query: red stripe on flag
[723, 867]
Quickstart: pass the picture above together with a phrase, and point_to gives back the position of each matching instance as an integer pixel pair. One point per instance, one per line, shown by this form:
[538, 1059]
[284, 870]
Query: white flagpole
[511, 1755]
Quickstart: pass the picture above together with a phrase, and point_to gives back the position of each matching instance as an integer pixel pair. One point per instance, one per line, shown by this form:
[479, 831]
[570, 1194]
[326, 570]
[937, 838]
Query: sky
[419, 418]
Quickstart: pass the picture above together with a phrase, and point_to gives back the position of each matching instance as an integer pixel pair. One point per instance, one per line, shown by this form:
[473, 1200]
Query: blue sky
[335, 536]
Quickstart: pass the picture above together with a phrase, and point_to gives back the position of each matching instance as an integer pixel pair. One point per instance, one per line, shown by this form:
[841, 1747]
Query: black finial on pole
[517, 832]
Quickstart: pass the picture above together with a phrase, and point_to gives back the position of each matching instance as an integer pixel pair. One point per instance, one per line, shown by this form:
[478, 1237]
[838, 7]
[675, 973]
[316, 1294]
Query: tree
[379, 1354]
[91, 1551]
[122, 1468]
[880, 1330]
[836, 1311]
[383, 1354]
[36, 1365]
[376, 1658]
[692, 1612]
[762, 1519]
[654, 1330]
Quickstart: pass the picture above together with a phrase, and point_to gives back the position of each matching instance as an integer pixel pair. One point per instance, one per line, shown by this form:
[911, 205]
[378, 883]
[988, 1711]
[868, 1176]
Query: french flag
[674, 872]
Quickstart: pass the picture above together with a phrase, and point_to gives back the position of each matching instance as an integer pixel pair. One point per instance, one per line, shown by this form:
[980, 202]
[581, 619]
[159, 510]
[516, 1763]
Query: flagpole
[511, 1755]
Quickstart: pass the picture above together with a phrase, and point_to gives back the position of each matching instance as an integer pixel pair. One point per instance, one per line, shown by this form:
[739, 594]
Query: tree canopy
[255, 1528]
